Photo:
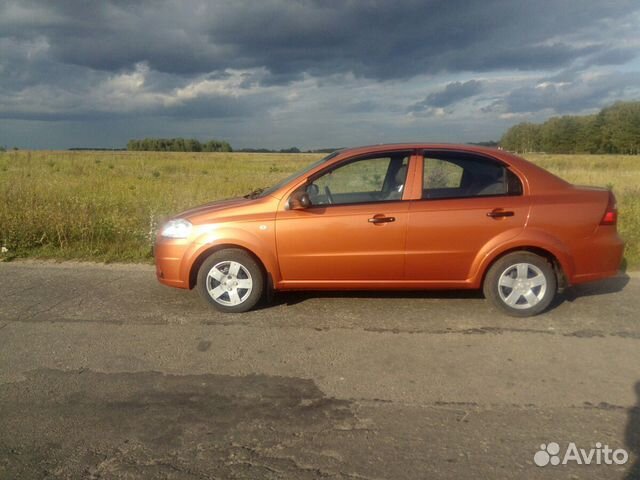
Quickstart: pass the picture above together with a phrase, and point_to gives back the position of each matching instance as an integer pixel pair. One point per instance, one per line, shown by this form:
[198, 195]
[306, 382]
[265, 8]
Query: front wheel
[230, 280]
[521, 284]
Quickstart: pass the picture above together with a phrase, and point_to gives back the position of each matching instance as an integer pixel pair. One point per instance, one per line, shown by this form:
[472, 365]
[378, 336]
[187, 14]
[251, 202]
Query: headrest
[401, 174]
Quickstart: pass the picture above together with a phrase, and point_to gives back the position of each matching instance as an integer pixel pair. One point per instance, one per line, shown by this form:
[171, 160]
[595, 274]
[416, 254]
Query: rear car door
[468, 201]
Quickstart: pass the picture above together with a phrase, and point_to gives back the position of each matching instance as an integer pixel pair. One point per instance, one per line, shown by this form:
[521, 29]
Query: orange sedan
[401, 217]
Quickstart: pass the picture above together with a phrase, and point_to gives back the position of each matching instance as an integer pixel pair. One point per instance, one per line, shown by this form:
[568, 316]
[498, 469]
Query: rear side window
[461, 174]
[441, 174]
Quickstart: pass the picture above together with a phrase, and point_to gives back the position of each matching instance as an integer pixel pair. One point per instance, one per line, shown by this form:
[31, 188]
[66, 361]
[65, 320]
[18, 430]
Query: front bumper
[169, 257]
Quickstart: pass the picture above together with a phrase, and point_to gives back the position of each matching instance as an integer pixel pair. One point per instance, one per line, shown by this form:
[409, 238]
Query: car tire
[231, 280]
[521, 284]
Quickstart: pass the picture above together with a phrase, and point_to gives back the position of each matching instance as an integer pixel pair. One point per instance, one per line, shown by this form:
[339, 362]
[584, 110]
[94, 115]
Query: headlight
[179, 228]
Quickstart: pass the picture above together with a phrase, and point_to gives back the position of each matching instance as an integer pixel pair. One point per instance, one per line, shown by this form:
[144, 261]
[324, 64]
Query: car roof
[389, 147]
[418, 146]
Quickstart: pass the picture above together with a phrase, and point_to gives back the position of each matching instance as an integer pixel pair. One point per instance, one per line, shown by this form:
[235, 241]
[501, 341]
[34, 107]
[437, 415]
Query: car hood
[212, 207]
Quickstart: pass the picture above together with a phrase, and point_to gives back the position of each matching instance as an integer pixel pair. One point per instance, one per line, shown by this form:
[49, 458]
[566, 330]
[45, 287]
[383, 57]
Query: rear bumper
[169, 256]
[600, 257]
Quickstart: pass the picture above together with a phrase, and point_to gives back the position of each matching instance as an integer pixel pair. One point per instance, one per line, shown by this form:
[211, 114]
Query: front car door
[468, 201]
[354, 232]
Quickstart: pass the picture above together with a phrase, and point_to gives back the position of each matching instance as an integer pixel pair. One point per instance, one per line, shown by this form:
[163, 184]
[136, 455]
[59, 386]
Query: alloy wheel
[522, 286]
[229, 283]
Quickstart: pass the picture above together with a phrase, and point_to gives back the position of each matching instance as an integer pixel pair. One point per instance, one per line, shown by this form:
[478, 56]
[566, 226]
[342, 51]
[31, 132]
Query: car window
[372, 179]
[284, 181]
[460, 174]
[441, 174]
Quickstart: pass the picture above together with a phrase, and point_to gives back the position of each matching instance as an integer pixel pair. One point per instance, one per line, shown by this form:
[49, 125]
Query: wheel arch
[546, 253]
[205, 253]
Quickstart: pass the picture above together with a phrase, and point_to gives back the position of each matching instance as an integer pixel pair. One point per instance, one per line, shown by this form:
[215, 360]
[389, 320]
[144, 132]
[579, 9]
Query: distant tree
[522, 138]
[558, 135]
[588, 134]
[177, 144]
[621, 127]
[615, 129]
[325, 150]
[257, 150]
[488, 143]
[192, 145]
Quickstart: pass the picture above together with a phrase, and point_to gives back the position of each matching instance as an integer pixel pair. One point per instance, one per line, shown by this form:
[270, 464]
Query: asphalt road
[106, 374]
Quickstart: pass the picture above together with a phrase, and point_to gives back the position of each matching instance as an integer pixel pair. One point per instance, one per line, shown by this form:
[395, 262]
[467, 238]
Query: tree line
[615, 129]
[287, 150]
[269, 150]
[178, 145]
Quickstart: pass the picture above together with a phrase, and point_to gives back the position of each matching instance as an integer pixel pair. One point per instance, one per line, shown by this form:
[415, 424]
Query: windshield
[299, 173]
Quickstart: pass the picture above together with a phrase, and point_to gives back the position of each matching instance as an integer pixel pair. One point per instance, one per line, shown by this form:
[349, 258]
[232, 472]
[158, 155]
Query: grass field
[105, 206]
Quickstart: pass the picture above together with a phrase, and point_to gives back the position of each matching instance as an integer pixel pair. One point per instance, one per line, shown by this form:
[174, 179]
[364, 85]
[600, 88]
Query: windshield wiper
[254, 193]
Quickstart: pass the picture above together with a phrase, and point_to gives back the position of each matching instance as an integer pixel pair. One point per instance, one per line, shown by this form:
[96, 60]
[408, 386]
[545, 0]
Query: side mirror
[299, 201]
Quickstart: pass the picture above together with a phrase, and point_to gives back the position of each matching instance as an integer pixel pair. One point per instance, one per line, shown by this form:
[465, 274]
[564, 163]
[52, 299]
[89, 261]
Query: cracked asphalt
[104, 373]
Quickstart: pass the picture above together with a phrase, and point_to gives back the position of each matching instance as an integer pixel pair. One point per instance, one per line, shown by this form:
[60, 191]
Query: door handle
[382, 219]
[499, 213]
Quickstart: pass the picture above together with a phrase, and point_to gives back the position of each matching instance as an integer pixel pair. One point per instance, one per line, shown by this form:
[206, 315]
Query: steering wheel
[327, 192]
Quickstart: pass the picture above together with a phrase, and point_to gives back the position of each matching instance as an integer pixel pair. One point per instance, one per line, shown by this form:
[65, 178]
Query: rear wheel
[231, 280]
[521, 284]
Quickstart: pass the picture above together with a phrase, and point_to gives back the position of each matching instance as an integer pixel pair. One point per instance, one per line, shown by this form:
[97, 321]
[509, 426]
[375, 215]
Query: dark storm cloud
[369, 60]
[452, 93]
[382, 39]
[390, 39]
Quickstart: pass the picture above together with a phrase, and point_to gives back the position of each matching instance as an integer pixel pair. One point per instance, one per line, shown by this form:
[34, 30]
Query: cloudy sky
[306, 73]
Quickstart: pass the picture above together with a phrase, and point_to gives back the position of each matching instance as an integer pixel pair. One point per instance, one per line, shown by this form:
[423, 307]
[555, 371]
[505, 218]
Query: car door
[468, 201]
[355, 228]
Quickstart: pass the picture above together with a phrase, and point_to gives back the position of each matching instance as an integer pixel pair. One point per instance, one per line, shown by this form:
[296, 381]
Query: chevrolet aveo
[398, 217]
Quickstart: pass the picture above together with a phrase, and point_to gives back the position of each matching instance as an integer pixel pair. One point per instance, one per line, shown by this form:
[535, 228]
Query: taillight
[610, 216]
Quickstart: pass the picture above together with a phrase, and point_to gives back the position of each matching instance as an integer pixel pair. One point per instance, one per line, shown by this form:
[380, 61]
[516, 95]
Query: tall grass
[105, 205]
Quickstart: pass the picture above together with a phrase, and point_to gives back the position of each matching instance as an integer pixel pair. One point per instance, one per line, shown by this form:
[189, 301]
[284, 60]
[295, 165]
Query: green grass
[104, 206]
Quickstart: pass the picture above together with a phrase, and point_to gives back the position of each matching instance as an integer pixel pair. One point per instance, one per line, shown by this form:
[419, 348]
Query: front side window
[460, 174]
[268, 191]
[373, 179]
